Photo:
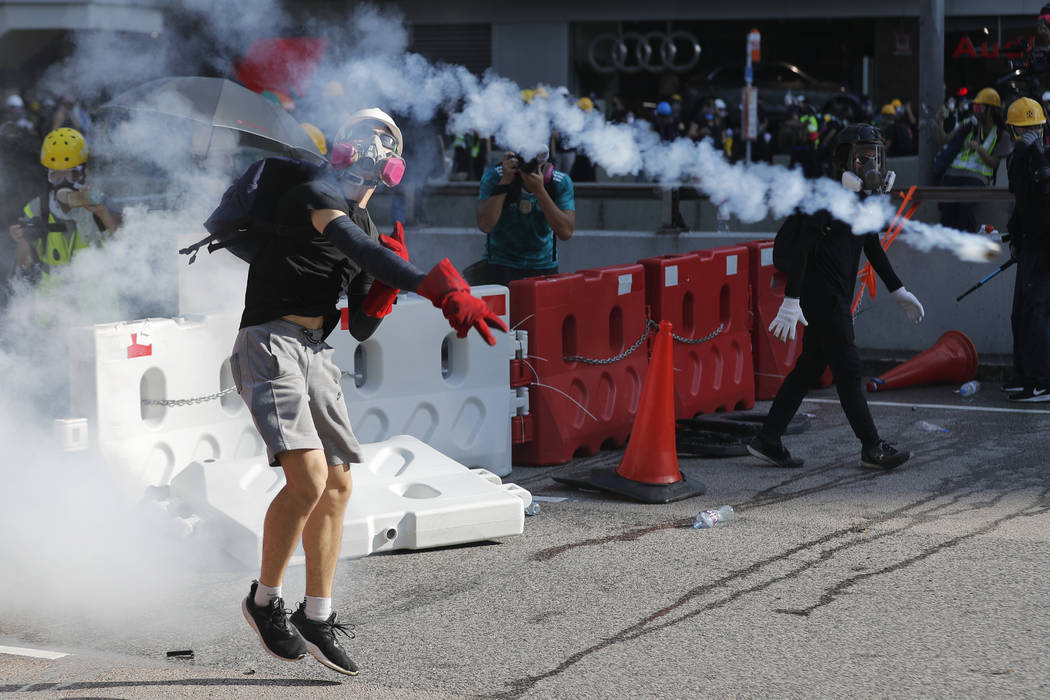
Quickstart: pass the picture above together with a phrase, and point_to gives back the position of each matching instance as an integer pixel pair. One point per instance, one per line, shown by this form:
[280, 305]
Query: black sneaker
[321, 641]
[883, 455]
[1031, 394]
[774, 453]
[271, 624]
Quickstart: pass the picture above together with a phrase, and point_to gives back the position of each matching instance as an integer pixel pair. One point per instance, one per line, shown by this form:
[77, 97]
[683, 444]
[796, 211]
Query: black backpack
[795, 236]
[246, 215]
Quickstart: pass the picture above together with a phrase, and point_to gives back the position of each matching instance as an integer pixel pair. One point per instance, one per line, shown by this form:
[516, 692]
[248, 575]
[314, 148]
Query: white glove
[907, 301]
[790, 313]
[1029, 137]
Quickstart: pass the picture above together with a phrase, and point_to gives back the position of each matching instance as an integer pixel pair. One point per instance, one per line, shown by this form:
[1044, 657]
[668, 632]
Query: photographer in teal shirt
[522, 206]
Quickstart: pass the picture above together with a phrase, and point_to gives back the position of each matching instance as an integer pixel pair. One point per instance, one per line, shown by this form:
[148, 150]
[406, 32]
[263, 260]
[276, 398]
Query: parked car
[774, 80]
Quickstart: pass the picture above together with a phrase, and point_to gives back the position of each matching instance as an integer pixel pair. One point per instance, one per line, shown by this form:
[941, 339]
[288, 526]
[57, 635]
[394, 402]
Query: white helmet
[364, 156]
[15, 101]
[371, 114]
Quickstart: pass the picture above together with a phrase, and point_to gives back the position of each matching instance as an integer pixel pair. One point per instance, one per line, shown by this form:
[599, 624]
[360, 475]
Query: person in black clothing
[1029, 238]
[283, 370]
[820, 288]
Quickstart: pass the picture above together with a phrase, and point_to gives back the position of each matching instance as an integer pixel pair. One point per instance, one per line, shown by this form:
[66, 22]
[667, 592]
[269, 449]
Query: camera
[527, 166]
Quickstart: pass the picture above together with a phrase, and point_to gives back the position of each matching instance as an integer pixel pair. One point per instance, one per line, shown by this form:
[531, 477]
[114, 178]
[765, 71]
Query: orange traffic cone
[952, 358]
[649, 469]
[650, 456]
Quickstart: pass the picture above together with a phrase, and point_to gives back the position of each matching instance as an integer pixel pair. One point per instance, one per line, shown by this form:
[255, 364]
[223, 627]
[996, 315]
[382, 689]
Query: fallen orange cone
[953, 358]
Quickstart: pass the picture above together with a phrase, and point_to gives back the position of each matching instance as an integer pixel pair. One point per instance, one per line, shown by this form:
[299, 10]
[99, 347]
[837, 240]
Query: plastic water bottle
[722, 218]
[969, 388]
[532, 509]
[710, 518]
[931, 427]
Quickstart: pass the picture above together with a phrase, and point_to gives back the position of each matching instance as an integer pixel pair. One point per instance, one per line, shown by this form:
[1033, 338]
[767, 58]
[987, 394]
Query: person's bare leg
[305, 473]
[323, 533]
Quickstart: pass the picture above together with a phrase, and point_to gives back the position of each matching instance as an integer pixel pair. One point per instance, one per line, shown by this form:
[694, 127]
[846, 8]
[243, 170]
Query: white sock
[264, 594]
[318, 609]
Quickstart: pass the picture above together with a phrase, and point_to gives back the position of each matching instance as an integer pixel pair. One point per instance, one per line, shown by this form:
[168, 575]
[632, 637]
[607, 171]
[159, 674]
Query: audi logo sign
[655, 52]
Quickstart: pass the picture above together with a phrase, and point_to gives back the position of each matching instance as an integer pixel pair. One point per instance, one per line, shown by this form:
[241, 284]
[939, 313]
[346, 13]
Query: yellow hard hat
[988, 96]
[317, 136]
[888, 109]
[63, 149]
[540, 92]
[585, 103]
[895, 103]
[1025, 111]
[332, 89]
[526, 95]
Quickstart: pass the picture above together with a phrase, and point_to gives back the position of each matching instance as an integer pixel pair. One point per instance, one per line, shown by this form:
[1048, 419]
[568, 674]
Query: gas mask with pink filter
[366, 153]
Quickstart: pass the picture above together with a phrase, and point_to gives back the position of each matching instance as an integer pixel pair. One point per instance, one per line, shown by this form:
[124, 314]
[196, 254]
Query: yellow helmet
[585, 103]
[527, 94]
[988, 96]
[317, 136]
[1025, 111]
[888, 109]
[63, 149]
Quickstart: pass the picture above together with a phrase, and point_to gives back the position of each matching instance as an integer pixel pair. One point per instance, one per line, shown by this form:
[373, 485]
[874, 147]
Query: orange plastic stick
[905, 211]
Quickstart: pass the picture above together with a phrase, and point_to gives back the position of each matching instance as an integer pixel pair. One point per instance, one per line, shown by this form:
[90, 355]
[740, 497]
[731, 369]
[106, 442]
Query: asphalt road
[833, 581]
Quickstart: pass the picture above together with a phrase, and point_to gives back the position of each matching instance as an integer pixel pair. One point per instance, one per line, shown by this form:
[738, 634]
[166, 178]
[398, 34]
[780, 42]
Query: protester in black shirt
[282, 367]
[1029, 238]
[819, 288]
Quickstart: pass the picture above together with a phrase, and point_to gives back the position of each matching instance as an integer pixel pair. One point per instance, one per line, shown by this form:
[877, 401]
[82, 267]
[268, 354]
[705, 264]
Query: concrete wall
[532, 52]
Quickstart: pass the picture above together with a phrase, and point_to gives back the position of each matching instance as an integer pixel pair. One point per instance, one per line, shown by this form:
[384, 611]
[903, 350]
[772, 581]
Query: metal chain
[617, 358]
[696, 341]
[188, 402]
[649, 326]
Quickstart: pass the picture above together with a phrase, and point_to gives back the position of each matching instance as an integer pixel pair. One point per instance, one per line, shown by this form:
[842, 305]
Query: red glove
[380, 299]
[448, 291]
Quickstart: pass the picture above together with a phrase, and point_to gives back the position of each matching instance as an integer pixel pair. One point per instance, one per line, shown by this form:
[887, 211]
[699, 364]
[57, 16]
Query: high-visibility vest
[812, 129]
[57, 247]
[970, 160]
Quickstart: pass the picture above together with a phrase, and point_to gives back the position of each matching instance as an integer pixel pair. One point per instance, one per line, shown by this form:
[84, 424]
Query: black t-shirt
[299, 271]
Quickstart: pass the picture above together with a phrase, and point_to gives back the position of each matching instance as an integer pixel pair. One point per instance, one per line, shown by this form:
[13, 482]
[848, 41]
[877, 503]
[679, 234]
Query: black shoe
[1031, 394]
[271, 624]
[883, 455]
[774, 453]
[321, 641]
[1012, 387]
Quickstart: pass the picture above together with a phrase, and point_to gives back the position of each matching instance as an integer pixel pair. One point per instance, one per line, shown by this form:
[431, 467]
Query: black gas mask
[868, 173]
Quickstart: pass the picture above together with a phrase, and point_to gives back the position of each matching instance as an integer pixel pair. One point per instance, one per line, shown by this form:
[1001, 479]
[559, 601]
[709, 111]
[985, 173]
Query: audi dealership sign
[655, 52]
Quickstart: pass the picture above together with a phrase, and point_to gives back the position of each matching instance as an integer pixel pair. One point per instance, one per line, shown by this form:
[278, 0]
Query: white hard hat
[1046, 96]
[15, 101]
[720, 103]
[375, 114]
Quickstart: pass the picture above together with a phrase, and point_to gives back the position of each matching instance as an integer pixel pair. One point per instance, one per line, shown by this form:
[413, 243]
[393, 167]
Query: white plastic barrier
[415, 377]
[149, 391]
[126, 378]
[406, 495]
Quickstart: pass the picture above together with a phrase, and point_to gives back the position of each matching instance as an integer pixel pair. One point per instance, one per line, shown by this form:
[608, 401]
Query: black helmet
[851, 136]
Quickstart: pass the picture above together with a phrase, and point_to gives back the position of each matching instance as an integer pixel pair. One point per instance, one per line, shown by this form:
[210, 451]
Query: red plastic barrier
[575, 407]
[773, 358]
[698, 292]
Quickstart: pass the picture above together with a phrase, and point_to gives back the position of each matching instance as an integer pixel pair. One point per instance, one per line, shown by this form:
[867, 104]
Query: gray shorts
[285, 373]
